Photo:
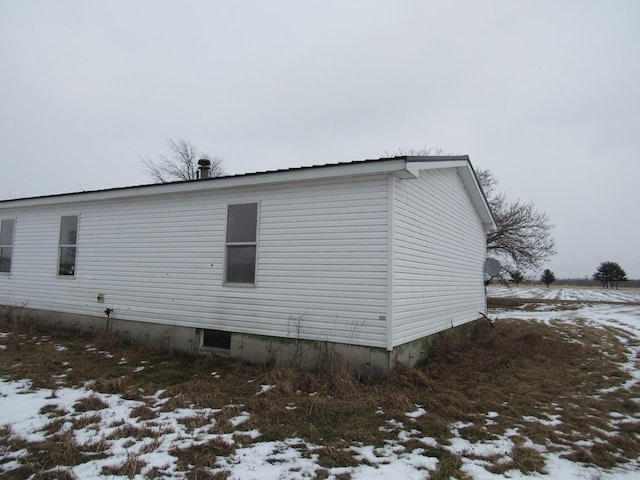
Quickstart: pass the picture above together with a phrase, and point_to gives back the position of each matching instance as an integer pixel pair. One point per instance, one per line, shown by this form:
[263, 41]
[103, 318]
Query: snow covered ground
[25, 411]
[563, 293]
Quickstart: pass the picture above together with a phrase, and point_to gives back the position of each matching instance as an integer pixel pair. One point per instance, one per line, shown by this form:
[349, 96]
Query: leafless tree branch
[416, 152]
[523, 236]
[181, 164]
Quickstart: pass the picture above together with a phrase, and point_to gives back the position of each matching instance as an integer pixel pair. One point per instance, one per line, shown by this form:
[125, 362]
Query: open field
[585, 294]
[550, 390]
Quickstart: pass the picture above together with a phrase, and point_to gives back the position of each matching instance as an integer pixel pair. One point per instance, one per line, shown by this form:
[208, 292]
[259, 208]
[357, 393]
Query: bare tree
[181, 164]
[523, 236]
[416, 152]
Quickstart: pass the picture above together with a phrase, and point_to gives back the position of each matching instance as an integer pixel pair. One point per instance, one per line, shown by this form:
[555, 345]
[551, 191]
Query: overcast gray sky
[544, 93]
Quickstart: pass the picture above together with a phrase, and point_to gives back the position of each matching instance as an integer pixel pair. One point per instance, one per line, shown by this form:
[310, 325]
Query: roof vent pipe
[204, 165]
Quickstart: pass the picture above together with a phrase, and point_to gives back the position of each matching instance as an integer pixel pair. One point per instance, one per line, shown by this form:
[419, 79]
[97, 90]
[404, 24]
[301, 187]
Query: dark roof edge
[243, 175]
[439, 158]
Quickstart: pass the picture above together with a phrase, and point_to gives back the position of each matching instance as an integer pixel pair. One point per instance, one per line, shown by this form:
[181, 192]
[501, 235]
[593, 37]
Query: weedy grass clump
[203, 455]
[90, 403]
[129, 468]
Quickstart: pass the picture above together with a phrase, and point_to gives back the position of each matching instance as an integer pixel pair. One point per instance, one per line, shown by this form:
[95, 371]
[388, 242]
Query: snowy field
[560, 293]
[24, 411]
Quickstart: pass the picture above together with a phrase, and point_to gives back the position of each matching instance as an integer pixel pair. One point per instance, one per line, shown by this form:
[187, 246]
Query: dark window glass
[242, 223]
[242, 229]
[7, 227]
[67, 261]
[68, 242]
[5, 259]
[6, 232]
[241, 263]
[68, 230]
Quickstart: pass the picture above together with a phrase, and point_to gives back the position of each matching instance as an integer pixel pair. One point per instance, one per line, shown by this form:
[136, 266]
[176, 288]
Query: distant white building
[363, 260]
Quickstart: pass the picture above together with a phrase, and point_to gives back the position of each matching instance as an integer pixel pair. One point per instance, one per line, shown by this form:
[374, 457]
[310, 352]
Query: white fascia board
[414, 168]
[477, 197]
[395, 165]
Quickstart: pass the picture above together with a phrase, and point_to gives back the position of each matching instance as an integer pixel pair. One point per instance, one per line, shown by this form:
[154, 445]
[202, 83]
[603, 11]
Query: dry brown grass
[143, 412]
[528, 373]
[526, 459]
[129, 468]
[56, 450]
[90, 403]
[53, 411]
[332, 457]
[192, 422]
[448, 466]
[83, 421]
[203, 455]
[199, 473]
[133, 431]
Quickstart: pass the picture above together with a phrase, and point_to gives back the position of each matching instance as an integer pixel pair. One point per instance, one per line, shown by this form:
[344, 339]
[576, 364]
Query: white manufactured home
[366, 260]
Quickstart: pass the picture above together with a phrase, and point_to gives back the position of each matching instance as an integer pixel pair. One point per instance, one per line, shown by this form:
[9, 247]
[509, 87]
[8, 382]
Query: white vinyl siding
[438, 256]
[372, 259]
[325, 255]
[321, 260]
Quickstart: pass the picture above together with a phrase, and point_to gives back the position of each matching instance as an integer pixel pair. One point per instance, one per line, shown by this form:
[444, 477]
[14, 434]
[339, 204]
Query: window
[6, 244]
[242, 229]
[68, 245]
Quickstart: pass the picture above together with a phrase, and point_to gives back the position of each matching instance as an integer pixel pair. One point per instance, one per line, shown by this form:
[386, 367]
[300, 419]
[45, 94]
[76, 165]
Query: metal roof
[249, 174]
[358, 167]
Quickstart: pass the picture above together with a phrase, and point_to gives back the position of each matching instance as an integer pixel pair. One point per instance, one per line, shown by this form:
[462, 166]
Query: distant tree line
[607, 275]
[590, 282]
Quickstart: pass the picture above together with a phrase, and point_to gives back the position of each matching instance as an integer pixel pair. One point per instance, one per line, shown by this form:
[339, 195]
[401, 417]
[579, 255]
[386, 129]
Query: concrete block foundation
[360, 360]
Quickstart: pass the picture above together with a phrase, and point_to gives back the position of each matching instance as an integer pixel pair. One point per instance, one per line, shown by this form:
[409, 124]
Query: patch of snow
[554, 420]
[416, 413]
[395, 423]
[461, 425]
[460, 446]
[264, 388]
[240, 419]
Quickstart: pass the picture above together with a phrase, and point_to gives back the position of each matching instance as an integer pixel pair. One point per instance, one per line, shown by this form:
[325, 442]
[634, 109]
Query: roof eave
[367, 167]
[403, 166]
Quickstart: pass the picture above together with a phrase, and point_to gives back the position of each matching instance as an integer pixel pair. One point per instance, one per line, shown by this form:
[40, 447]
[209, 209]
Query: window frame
[10, 246]
[228, 244]
[68, 245]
